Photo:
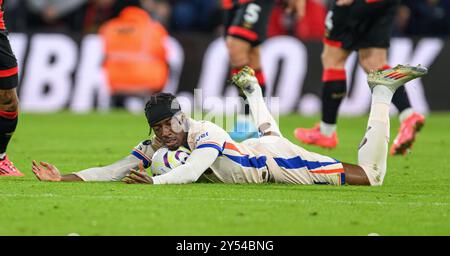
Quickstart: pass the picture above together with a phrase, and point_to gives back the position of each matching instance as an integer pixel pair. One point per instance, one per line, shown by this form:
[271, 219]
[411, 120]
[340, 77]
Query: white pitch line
[113, 197]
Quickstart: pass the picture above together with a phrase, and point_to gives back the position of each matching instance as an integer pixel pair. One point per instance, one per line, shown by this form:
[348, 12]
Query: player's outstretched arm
[197, 163]
[48, 172]
[113, 172]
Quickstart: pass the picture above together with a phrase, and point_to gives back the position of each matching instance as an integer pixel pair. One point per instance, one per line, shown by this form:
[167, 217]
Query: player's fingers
[44, 164]
[134, 171]
[139, 174]
[126, 178]
[36, 174]
[141, 166]
[48, 165]
[135, 177]
[35, 164]
[141, 177]
[138, 179]
[35, 169]
[129, 180]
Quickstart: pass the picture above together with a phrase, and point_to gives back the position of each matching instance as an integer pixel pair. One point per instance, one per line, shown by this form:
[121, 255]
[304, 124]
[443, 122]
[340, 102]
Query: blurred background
[414, 17]
[56, 43]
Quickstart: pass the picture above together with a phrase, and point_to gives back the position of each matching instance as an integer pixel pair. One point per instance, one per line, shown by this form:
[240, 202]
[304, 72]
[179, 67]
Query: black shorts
[364, 24]
[8, 65]
[249, 21]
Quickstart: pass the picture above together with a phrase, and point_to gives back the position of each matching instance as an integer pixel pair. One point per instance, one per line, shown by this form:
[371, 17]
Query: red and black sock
[334, 91]
[261, 80]
[8, 124]
[400, 98]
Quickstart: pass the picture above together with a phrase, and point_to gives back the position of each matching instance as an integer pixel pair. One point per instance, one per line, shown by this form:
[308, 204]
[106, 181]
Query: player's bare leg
[239, 51]
[249, 85]
[373, 150]
[8, 122]
[333, 92]
[411, 121]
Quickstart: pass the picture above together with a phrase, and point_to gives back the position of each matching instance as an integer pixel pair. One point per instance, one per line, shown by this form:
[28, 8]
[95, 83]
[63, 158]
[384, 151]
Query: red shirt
[2, 22]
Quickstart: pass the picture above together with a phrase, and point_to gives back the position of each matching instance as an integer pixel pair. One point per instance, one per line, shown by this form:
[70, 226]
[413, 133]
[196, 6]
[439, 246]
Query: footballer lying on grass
[270, 158]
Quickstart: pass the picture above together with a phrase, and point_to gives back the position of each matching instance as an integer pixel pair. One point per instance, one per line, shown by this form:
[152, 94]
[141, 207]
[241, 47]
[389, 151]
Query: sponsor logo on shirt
[201, 136]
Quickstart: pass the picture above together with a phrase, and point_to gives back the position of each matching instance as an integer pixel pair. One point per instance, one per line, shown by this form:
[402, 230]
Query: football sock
[327, 129]
[334, 91]
[262, 117]
[8, 123]
[2, 156]
[405, 114]
[401, 100]
[372, 154]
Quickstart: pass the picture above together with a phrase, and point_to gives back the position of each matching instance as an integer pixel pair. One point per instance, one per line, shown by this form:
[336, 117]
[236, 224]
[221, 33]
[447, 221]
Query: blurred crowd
[414, 17]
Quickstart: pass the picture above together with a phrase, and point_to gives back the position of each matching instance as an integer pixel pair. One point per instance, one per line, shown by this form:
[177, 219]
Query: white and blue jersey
[266, 159]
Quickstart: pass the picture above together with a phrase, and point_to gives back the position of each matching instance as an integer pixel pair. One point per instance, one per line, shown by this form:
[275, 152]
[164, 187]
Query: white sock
[261, 115]
[2, 155]
[405, 114]
[372, 154]
[327, 129]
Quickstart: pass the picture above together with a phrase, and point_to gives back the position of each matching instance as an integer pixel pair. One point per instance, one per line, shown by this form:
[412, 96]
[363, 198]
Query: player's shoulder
[202, 131]
[148, 146]
[203, 126]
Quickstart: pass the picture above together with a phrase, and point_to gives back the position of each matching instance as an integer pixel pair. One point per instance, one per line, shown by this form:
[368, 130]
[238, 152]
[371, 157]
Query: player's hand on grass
[296, 6]
[138, 177]
[344, 2]
[46, 171]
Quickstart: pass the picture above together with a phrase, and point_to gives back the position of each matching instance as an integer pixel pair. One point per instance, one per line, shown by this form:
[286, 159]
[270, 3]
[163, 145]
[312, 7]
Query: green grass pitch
[414, 200]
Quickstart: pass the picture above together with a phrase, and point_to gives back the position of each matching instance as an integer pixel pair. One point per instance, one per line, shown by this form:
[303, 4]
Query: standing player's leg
[255, 64]
[239, 52]
[246, 26]
[373, 47]
[340, 39]
[333, 92]
[373, 150]
[8, 105]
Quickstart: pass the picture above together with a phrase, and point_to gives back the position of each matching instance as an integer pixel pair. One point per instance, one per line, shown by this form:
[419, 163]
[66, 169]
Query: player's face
[170, 132]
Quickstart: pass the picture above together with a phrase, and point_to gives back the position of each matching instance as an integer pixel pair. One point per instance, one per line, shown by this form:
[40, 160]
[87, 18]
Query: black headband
[162, 110]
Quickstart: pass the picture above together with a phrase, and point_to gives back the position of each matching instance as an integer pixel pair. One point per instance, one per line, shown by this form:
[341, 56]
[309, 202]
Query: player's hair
[161, 106]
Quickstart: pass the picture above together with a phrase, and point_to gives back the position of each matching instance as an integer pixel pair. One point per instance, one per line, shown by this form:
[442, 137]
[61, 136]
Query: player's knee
[371, 62]
[368, 65]
[8, 101]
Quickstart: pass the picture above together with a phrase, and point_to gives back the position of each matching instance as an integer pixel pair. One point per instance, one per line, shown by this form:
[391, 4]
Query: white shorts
[290, 163]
